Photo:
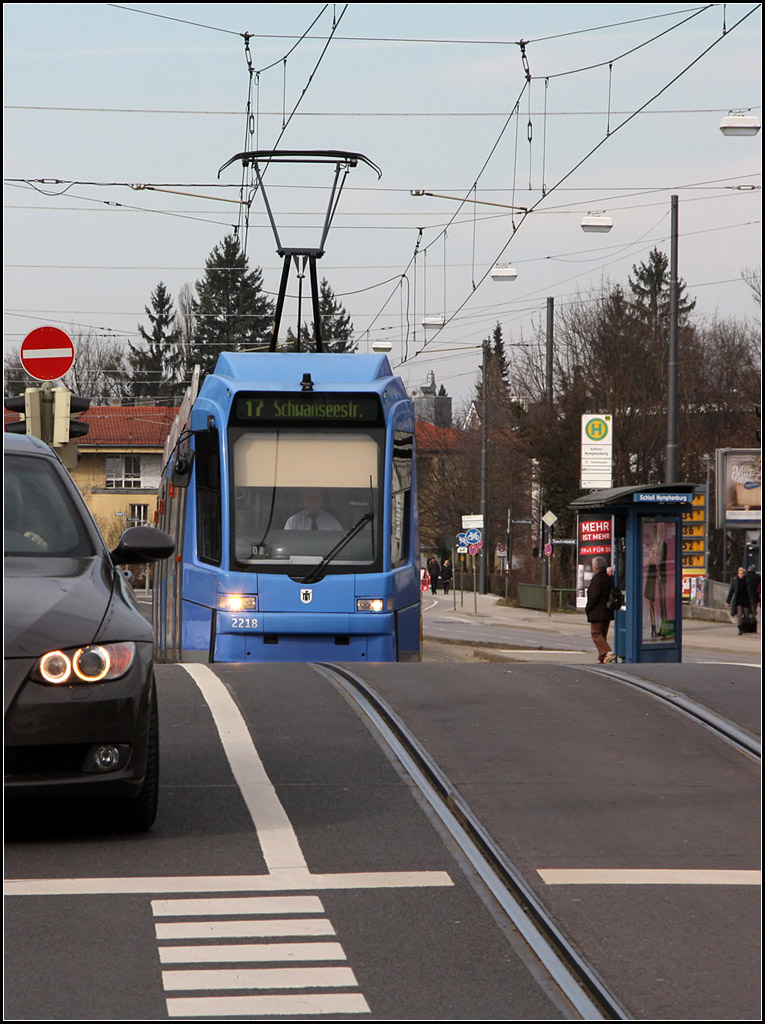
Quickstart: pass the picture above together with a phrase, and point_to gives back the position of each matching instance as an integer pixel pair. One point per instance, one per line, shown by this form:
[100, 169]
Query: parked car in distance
[81, 715]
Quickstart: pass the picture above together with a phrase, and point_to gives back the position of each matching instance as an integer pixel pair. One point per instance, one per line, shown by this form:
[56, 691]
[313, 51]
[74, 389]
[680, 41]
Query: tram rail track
[723, 727]
[579, 985]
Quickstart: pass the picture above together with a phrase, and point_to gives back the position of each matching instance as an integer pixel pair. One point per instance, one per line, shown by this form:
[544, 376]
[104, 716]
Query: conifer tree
[154, 363]
[232, 313]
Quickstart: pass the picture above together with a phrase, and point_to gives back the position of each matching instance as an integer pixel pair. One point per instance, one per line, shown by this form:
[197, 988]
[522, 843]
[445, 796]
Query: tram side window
[401, 498]
[207, 463]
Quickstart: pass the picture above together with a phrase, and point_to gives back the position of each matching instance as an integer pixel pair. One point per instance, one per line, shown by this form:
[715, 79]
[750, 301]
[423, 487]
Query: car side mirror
[141, 544]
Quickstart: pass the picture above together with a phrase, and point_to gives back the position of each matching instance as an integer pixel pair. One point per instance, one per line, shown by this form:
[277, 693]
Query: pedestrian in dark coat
[446, 575]
[598, 614]
[434, 571]
[738, 599]
[753, 585]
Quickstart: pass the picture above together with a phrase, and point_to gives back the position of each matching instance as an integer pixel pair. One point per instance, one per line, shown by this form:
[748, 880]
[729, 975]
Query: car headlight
[98, 663]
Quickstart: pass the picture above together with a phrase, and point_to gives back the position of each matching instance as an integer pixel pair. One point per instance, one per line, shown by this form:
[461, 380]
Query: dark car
[80, 701]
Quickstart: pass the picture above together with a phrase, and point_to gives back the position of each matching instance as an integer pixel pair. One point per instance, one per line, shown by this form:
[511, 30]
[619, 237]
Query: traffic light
[66, 407]
[29, 405]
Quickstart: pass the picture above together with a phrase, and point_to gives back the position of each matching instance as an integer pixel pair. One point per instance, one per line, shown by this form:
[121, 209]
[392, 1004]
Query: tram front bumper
[307, 637]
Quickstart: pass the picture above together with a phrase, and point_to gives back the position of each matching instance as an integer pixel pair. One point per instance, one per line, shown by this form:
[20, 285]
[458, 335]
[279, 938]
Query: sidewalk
[698, 634]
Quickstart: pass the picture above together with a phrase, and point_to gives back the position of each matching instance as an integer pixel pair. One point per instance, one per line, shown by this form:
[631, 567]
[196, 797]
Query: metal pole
[507, 554]
[670, 462]
[549, 353]
[485, 463]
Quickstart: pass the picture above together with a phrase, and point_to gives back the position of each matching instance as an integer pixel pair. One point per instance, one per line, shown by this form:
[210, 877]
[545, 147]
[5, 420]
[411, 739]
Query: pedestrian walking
[434, 571]
[753, 585]
[446, 575]
[740, 602]
[598, 614]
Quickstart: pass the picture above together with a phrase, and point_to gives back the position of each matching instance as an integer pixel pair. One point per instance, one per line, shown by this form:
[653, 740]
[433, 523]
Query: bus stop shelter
[646, 542]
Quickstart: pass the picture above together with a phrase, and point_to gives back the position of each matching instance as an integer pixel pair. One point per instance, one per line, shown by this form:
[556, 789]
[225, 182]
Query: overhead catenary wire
[599, 144]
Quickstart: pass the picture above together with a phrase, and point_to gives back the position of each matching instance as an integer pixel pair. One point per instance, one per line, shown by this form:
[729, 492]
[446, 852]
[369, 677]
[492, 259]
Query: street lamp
[433, 321]
[504, 272]
[596, 222]
[740, 122]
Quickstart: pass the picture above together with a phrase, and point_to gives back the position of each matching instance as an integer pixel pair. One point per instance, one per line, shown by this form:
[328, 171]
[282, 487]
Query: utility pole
[670, 460]
[549, 352]
[485, 462]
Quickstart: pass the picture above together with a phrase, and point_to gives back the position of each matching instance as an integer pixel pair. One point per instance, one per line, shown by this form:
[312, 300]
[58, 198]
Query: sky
[548, 111]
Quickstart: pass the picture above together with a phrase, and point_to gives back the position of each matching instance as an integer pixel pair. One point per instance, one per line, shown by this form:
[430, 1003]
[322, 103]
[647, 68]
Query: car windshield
[298, 494]
[40, 517]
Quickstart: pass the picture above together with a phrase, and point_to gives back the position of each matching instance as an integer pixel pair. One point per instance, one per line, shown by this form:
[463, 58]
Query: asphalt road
[342, 896]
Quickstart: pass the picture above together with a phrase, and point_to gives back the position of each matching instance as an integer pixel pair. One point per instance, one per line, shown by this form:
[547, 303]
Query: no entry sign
[47, 353]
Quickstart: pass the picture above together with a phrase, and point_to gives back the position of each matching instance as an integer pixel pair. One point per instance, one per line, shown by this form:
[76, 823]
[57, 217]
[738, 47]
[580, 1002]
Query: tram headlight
[370, 604]
[238, 602]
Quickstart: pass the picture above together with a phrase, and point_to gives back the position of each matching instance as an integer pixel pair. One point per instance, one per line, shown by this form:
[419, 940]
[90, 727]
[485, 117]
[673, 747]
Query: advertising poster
[595, 537]
[739, 488]
[659, 546]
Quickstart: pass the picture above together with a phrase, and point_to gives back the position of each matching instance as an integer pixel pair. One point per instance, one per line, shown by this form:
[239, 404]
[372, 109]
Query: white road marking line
[267, 1006]
[243, 929]
[253, 952]
[275, 832]
[244, 905]
[264, 977]
[660, 876]
[283, 881]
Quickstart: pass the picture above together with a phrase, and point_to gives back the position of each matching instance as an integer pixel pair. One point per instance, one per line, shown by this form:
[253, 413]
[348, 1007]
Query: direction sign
[472, 521]
[47, 353]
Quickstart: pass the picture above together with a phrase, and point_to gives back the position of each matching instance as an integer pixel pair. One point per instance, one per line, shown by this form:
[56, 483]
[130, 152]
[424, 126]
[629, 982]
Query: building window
[131, 472]
[139, 515]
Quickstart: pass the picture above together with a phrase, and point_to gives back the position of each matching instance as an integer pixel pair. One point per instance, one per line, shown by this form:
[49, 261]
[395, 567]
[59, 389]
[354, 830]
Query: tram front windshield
[298, 495]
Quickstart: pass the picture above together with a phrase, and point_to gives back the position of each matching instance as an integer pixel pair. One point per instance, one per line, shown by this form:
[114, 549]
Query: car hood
[52, 603]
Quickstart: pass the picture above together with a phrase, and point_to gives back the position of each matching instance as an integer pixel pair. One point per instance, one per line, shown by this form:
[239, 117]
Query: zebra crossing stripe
[301, 965]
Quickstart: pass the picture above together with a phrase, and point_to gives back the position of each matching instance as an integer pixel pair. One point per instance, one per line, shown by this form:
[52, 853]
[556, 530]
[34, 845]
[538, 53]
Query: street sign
[596, 452]
[47, 353]
[475, 522]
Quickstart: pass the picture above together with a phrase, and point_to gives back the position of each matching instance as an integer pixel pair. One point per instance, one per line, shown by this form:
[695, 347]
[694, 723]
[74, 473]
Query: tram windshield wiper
[318, 570]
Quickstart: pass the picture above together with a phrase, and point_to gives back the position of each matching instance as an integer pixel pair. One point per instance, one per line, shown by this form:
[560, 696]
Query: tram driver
[312, 516]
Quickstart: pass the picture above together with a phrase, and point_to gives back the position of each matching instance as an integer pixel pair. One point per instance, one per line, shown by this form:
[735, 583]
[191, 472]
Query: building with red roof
[120, 464]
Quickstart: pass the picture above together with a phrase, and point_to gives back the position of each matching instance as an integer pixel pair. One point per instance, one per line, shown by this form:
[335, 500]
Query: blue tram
[290, 488]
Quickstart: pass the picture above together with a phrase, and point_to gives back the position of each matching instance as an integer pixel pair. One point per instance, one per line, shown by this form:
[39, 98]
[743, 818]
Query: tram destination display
[271, 408]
